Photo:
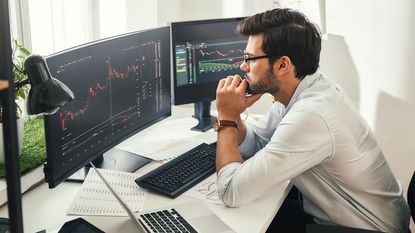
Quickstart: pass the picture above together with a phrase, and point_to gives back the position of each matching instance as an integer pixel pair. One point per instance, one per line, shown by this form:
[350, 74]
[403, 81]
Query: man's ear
[282, 65]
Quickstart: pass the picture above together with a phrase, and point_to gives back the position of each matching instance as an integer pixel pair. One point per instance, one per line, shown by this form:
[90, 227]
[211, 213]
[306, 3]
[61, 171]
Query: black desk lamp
[46, 95]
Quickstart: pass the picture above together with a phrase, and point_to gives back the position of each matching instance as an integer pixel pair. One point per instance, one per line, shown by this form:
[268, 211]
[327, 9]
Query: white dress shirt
[322, 144]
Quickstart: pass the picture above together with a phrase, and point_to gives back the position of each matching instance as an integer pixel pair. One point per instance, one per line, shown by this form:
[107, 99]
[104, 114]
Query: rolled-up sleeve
[224, 178]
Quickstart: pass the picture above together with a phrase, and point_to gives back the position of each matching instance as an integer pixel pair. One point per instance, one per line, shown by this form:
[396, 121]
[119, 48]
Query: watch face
[216, 125]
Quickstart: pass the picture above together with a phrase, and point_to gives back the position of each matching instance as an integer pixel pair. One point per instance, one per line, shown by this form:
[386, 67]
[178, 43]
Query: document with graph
[94, 198]
[206, 191]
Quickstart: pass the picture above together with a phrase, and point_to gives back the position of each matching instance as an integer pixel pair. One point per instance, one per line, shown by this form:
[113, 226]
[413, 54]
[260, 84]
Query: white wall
[379, 37]
[121, 16]
[169, 11]
[199, 9]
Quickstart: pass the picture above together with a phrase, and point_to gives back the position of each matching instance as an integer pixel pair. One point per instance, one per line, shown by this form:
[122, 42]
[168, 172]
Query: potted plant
[19, 55]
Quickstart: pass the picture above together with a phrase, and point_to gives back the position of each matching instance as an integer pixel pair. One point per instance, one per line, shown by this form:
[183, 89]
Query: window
[54, 25]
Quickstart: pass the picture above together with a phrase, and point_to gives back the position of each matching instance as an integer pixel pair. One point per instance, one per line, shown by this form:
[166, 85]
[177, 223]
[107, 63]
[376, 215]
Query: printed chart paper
[94, 198]
[206, 191]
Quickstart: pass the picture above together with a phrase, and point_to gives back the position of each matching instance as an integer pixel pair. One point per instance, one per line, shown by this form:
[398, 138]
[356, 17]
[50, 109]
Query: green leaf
[19, 109]
[20, 94]
[19, 55]
[25, 51]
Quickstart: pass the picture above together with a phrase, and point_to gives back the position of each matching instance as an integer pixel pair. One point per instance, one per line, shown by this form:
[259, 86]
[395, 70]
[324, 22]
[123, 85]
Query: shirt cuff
[225, 175]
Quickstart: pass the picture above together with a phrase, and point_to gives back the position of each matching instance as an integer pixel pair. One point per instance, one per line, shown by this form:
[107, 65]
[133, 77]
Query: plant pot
[20, 131]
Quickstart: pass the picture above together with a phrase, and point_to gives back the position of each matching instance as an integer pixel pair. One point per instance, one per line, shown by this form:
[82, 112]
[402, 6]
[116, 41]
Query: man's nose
[244, 66]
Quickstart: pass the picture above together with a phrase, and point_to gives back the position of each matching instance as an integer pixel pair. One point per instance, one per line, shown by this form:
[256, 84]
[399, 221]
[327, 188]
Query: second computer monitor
[204, 52]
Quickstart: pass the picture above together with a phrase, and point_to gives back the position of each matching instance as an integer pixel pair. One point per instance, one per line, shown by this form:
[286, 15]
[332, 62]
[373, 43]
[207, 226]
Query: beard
[268, 83]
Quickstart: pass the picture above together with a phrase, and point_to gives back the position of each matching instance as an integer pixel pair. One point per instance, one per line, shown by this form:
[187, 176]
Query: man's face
[258, 72]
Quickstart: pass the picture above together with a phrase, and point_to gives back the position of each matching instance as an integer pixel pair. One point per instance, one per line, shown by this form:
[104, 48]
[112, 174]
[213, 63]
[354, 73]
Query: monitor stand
[114, 159]
[202, 113]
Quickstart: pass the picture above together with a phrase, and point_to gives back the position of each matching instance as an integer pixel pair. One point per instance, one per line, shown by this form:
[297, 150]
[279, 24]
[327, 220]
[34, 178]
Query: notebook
[192, 217]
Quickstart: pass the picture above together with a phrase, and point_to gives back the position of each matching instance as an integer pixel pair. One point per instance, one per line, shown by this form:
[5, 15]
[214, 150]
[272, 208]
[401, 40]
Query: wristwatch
[219, 124]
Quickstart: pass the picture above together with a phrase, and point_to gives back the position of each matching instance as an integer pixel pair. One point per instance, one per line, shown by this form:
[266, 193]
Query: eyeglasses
[247, 57]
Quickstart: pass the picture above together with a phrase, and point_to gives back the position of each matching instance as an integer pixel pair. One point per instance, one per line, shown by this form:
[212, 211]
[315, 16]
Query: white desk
[45, 208]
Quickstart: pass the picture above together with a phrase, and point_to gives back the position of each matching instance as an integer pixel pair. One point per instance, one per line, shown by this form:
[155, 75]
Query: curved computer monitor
[204, 52]
[121, 86]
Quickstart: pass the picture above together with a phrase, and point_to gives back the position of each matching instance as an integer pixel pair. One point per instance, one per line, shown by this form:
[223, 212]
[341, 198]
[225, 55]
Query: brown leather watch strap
[226, 123]
[219, 124]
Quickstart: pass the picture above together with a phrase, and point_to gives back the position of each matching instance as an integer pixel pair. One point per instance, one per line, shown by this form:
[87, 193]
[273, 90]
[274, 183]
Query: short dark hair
[287, 32]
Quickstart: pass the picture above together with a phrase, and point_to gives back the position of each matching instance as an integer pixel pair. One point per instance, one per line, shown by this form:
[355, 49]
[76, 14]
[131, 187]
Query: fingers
[236, 80]
[233, 82]
[243, 85]
[228, 80]
[221, 84]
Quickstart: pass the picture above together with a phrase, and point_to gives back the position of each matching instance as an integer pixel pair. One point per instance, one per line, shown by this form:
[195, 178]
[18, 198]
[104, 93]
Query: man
[312, 135]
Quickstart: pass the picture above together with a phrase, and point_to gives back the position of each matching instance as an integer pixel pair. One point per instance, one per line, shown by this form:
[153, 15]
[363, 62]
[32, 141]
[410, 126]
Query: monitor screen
[204, 52]
[121, 86]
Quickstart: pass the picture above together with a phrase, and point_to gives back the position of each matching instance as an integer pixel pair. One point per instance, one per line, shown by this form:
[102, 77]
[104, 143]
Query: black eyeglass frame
[247, 58]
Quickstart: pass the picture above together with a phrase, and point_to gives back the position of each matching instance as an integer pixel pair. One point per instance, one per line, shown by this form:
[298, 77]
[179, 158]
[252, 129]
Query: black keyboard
[182, 173]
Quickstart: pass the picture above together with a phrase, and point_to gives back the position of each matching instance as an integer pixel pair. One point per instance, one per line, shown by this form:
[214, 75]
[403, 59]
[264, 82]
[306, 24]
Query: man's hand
[230, 98]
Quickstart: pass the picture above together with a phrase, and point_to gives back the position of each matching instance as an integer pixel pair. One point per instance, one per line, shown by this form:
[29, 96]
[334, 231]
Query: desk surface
[45, 208]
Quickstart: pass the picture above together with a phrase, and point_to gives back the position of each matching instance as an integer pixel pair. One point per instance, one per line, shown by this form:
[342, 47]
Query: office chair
[320, 228]
[411, 196]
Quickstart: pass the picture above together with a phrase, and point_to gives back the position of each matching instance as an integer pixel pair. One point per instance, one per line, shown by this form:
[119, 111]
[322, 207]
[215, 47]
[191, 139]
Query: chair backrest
[411, 196]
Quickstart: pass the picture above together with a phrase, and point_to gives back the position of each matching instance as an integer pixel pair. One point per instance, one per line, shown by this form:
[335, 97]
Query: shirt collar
[307, 82]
